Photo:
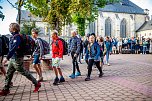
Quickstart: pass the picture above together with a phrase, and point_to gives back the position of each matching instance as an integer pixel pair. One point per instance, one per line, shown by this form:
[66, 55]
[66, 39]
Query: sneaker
[72, 76]
[108, 64]
[40, 79]
[56, 81]
[37, 87]
[100, 75]
[62, 79]
[4, 92]
[87, 79]
[77, 74]
[11, 84]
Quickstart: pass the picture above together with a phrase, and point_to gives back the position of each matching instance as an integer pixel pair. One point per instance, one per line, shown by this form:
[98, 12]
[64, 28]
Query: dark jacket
[15, 47]
[93, 52]
[74, 45]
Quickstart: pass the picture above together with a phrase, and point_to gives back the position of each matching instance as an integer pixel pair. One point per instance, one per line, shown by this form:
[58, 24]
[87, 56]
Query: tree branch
[12, 4]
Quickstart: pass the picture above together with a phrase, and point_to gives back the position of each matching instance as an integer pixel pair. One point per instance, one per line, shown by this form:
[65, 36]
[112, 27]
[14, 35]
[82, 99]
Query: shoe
[11, 84]
[4, 92]
[100, 75]
[108, 64]
[77, 74]
[62, 79]
[37, 87]
[87, 79]
[72, 76]
[56, 81]
[40, 79]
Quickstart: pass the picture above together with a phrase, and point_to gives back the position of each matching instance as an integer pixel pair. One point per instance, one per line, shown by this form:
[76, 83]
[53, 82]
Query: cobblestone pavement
[129, 78]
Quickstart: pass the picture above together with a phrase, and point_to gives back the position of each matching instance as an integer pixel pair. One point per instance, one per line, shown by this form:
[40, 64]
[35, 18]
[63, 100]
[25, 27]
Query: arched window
[123, 28]
[108, 27]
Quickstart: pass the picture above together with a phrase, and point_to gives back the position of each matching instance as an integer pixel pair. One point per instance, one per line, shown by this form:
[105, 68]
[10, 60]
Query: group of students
[95, 49]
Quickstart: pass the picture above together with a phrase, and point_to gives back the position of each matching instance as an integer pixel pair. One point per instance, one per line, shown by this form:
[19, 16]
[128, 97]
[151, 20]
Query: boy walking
[15, 55]
[57, 55]
[37, 54]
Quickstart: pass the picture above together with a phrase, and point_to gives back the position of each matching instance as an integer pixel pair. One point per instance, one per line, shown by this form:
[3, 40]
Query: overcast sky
[11, 13]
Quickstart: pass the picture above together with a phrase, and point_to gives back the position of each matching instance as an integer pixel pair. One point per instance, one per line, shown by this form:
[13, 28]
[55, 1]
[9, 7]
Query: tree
[1, 14]
[86, 11]
[27, 27]
[55, 12]
[18, 5]
[61, 12]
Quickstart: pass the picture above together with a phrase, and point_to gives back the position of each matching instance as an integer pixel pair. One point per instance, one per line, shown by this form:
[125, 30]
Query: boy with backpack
[37, 54]
[57, 55]
[16, 55]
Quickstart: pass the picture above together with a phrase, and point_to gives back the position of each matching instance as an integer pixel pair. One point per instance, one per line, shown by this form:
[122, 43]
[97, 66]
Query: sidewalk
[129, 78]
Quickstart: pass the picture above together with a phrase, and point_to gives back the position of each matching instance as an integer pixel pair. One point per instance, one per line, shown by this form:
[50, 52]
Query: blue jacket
[93, 52]
[14, 51]
[74, 45]
[108, 45]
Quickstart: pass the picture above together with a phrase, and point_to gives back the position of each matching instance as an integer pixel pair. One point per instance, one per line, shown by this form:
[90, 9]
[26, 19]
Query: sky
[11, 13]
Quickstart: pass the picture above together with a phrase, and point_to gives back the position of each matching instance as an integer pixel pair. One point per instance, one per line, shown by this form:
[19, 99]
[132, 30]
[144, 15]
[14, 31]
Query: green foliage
[27, 27]
[62, 12]
[1, 14]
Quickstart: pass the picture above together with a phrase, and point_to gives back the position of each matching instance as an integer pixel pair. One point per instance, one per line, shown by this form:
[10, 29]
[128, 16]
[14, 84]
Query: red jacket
[57, 48]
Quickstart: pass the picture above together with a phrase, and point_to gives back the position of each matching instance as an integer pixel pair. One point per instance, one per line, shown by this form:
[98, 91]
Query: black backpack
[27, 44]
[65, 46]
[5, 45]
[46, 46]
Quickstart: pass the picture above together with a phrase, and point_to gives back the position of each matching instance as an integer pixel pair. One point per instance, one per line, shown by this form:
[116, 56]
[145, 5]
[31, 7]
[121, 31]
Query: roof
[146, 26]
[27, 16]
[124, 6]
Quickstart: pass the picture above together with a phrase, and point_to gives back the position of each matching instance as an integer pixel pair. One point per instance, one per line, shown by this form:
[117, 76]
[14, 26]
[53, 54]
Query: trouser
[144, 49]
[107, 56]
[75, 63]
[90, 64]
[17, 64]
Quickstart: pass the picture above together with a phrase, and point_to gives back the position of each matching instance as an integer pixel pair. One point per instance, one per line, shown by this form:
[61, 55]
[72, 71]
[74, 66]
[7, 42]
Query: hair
[15, 27]
[55, 32]
[35, 31]
[74, 32]
[107, 37]
[101, 39]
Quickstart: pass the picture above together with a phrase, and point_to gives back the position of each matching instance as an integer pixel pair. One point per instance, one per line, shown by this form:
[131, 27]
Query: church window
[123, 28]
[108, 27]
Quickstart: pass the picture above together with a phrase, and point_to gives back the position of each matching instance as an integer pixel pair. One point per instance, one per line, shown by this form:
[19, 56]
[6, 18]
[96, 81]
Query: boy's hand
[4, 61]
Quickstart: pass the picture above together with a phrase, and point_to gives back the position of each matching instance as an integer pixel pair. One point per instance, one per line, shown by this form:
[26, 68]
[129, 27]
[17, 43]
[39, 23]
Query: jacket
[57, 48]
[93, 52]
[14, 47]
[39, 47]
[74, 45]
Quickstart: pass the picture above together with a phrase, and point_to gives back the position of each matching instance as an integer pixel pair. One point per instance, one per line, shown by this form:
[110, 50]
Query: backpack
[5, 45]
[46, 46]
[27, 44]
[65, 46]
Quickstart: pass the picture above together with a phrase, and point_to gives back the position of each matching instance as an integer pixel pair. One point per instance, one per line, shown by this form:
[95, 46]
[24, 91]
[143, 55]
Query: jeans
[91, 62]
[75, 63]
[144, 49]
[107, 56]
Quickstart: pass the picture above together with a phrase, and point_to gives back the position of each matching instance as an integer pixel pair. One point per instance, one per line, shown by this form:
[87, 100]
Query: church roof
[124, 6]
[146, 26]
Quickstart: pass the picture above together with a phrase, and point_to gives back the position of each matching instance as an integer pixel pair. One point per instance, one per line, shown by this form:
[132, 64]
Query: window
[123, 28]
[108, 27]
